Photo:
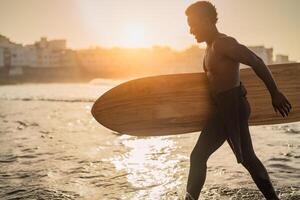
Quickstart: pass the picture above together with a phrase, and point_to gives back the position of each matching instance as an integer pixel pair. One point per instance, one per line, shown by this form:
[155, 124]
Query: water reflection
[149, 165]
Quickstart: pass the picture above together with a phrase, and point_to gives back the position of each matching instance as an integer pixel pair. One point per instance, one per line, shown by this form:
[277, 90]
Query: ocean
[52, 148]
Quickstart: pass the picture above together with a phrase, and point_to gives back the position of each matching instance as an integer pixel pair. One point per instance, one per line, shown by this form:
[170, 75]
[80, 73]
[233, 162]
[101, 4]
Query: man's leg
[210, 139]
[256, 169]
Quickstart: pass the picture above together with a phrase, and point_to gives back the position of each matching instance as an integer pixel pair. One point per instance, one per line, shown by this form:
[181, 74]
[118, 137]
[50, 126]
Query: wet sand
[52, 148]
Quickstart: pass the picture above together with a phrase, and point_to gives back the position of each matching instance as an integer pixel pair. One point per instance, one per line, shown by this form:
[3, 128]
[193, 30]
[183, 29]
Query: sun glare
[134, 35]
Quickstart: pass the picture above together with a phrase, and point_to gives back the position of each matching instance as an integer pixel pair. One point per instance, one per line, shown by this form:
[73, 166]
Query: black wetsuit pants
[213, 136]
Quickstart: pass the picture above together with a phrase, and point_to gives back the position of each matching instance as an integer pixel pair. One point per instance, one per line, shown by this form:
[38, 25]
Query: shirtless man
[230, 122]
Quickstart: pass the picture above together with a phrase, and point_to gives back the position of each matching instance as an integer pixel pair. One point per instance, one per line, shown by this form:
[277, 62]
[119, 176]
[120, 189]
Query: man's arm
[240, 53]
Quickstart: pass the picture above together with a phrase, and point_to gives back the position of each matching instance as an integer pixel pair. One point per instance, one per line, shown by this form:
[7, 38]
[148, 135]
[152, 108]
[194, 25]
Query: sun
[134, 35]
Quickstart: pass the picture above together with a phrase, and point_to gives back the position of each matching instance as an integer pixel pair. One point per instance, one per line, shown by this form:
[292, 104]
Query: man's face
[198, 27]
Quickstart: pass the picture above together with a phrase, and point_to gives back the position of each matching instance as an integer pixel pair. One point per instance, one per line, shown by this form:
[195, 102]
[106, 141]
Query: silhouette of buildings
[52, 56]
[42, 53]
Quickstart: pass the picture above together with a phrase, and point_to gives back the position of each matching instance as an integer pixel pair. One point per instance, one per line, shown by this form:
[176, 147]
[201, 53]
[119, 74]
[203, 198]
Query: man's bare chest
[211, 60]
[215, 63]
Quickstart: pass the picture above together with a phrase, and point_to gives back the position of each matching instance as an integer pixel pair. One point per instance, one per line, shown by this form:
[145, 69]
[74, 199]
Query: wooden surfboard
[180, 103]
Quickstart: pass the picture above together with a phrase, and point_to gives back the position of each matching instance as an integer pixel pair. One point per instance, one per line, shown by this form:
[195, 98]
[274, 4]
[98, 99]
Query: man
[230, 122]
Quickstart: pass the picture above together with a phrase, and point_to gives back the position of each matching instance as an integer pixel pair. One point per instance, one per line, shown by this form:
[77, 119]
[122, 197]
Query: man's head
[202, 19]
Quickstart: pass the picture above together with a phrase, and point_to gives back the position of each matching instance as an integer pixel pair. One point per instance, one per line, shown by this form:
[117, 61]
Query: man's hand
[281, 104]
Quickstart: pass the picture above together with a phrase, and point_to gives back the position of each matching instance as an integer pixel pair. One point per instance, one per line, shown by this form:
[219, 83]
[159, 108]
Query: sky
[139, 23]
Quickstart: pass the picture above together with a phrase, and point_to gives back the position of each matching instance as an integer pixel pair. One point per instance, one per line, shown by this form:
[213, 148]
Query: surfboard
[180, 103]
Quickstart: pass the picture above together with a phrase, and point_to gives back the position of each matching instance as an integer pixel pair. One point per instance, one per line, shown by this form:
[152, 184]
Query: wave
[76, 100]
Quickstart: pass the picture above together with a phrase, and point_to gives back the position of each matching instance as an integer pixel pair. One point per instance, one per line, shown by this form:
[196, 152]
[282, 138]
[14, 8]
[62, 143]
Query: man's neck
[213, 36]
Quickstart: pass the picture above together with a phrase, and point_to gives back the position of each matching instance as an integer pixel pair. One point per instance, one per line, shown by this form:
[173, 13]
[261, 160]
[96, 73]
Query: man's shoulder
[224, 42]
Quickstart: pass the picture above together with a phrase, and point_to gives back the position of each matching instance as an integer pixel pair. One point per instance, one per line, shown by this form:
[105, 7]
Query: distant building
[7, 58]
[282, 59]
[43, 58]
[5, 51]
[45, 53]
[5, 42]
[42, 54]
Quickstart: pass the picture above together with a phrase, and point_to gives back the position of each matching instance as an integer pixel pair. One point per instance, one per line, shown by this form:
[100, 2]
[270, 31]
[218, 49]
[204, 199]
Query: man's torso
[221, 71]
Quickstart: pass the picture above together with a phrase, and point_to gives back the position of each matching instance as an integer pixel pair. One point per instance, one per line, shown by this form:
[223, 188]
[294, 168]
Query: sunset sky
[139, 23]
